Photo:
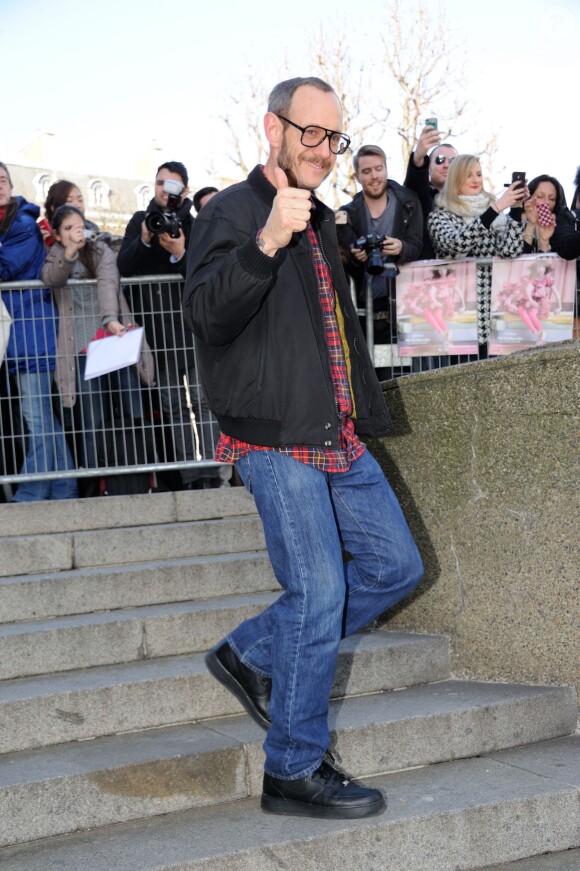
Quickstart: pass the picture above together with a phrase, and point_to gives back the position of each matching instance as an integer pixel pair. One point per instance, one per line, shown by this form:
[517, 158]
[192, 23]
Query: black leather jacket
[258, 322]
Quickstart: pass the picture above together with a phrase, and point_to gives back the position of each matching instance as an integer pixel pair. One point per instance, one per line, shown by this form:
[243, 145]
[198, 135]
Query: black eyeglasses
[441, 158]
[313, 136]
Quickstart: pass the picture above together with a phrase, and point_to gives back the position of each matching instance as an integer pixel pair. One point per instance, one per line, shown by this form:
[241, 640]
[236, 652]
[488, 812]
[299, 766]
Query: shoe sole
[227, 680]
[291, 808]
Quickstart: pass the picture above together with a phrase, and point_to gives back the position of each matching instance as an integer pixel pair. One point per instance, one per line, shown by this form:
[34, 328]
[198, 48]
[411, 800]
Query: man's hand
[174, 246]
[290, 213]
[392, 246]
[359, 254]
[429, 138]
[146, 236]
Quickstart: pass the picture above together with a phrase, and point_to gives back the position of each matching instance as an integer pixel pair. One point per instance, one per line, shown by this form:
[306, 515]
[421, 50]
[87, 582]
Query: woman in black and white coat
[469, 222]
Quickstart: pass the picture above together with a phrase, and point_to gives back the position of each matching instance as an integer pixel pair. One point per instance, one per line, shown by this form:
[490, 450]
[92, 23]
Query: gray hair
[5, 168]
[281, 96]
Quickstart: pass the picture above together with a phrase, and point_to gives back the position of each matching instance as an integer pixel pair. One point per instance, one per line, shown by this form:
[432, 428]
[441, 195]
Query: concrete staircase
[118, 751]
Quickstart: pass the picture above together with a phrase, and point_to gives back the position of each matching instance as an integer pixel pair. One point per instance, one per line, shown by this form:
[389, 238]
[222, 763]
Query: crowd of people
[440, 211]
[64, 417]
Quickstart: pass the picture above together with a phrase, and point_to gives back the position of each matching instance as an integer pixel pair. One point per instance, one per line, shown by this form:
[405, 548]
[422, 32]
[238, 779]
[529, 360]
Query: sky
[109, 78]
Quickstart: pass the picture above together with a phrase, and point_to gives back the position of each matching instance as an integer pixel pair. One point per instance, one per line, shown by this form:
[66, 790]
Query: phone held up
[545, 216]
[431, 122]
[519, 177]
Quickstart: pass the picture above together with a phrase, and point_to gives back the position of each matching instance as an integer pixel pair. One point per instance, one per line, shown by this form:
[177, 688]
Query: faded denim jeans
[309, 517]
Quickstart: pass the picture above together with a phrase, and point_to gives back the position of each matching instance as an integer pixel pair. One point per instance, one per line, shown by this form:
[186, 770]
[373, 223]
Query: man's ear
[273, 129]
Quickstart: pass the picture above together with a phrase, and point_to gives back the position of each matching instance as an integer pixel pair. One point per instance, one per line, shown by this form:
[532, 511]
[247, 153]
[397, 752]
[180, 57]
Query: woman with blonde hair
[469, 222]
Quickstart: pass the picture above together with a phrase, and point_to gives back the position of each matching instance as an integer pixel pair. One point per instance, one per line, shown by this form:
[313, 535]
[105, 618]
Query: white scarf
[474, 206]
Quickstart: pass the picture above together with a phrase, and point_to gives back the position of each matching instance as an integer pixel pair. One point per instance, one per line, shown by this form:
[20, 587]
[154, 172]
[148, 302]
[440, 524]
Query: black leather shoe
[327, 793]
[251, 689]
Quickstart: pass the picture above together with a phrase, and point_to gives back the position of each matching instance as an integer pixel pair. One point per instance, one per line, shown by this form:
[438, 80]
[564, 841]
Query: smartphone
[544, 214]
[431, 122]
[521, 177]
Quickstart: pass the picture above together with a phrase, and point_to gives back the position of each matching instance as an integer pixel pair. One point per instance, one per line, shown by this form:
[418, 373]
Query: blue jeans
[309, 516]
[46, 447]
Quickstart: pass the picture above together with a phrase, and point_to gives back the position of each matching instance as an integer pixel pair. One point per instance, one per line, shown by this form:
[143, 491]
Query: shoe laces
[328, 770]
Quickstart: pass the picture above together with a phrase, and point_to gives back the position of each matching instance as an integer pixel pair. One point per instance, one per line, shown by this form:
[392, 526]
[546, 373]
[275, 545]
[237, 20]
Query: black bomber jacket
[260, 339]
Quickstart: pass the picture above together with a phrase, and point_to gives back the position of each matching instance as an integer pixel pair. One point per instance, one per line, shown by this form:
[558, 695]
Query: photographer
[155, 243]
[392, 217]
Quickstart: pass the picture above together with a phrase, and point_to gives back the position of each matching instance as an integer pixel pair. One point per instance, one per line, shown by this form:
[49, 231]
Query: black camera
[166, 221]
[372, 244]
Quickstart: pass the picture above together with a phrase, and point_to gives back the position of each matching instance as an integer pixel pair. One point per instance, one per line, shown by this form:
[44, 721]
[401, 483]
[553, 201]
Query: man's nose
[323, 149]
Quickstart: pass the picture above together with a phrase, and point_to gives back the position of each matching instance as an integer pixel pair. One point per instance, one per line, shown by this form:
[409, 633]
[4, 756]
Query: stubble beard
[284, 164]
[372, 195]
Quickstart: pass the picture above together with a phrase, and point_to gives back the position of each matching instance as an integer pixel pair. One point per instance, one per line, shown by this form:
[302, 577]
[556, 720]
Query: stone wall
[486, 464]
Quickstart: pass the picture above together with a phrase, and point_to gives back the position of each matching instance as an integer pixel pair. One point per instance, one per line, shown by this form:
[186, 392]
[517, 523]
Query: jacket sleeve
[413, 237]
[228, 277]
[133, 253]
[511, 242]
[107, 283]
[21, 251]
[417, 180]
[56, 270]
[566, 238]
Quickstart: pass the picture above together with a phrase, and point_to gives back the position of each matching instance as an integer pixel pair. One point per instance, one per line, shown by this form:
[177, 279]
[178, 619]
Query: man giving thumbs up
[287, 374]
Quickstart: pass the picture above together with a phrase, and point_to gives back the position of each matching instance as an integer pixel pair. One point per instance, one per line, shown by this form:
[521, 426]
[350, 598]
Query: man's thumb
[280, 178]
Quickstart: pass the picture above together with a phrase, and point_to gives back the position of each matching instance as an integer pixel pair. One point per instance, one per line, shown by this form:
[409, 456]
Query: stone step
[31, 554]
[88, 784]
[453, 815]
[126, 635]
[75, 515]
[568, 860]
[81, 591]
[40, 711]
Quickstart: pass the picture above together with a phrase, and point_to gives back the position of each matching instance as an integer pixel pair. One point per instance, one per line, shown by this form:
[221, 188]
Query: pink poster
[436, 308]
[532, 302]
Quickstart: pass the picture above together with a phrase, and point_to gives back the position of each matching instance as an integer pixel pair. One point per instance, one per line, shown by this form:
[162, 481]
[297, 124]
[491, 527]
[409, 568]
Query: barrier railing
[148, 418]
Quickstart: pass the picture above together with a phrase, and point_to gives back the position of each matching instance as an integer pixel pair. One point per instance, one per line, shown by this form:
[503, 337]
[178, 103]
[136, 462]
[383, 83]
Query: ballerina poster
[436, 308]
[532, 302]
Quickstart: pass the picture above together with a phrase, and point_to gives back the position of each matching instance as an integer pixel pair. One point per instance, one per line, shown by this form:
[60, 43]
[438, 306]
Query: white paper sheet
[112, 353]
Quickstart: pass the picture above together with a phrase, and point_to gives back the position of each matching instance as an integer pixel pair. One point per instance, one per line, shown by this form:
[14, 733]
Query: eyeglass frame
[327, 134]
[441, 158]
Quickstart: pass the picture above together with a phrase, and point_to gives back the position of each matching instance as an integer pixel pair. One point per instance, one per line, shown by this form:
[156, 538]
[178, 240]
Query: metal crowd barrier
[114, 424]
[120, 423]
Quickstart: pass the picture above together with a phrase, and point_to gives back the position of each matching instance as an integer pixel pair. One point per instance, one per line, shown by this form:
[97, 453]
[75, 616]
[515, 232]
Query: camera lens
[155, 222]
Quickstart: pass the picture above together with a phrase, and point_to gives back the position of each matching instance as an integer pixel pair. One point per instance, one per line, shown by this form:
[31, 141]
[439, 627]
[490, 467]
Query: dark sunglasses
[441, 158]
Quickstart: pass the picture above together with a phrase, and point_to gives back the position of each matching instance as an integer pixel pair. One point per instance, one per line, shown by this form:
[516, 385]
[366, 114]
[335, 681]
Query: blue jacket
[32, 344]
